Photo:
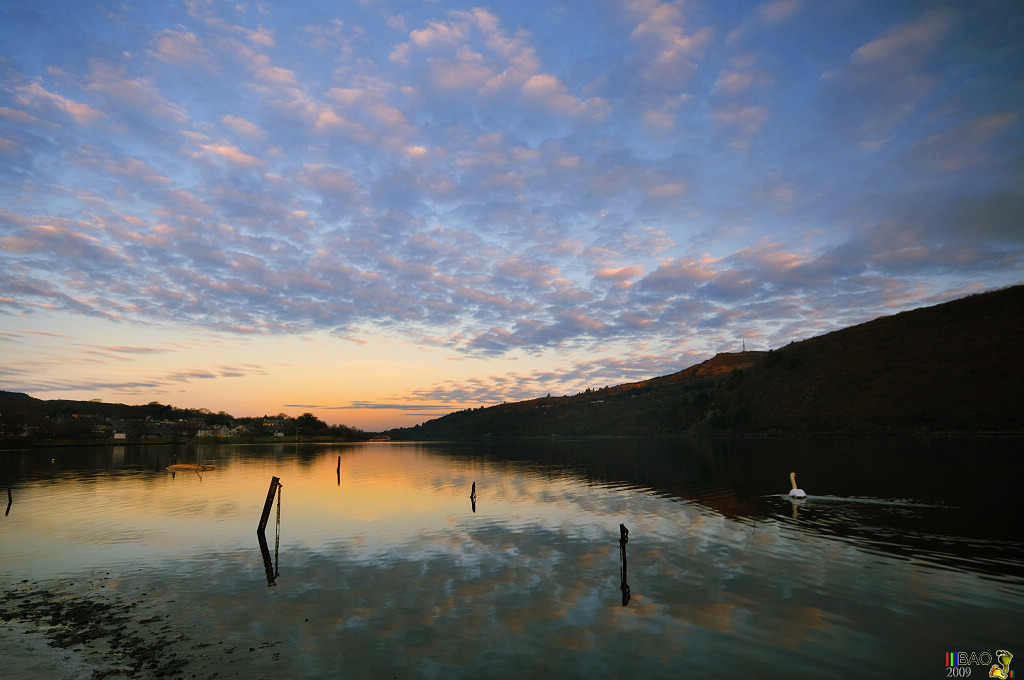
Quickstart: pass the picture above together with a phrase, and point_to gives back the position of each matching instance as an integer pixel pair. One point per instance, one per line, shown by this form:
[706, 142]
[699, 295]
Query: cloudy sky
[384, 211]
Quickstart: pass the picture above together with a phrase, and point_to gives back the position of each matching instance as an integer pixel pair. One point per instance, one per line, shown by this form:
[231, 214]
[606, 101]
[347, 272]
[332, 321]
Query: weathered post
[623, 581]
[274, 483]
[267, 564]
[10, 500]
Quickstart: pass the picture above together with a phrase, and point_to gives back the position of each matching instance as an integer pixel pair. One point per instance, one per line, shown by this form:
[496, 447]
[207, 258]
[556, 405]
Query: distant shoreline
[21, 445]
[12, 447]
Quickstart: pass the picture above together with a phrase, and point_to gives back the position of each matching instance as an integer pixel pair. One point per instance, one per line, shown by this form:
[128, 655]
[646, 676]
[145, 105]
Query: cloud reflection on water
[385, 570]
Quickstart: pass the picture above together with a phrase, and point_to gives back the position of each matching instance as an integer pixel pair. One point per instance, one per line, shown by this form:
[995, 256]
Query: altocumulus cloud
[508, 181]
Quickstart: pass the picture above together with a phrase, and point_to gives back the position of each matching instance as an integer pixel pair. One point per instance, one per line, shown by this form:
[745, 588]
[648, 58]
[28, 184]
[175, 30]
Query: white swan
[795, 492]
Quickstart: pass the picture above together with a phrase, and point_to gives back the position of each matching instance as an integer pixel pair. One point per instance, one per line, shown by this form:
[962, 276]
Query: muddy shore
[73, 630]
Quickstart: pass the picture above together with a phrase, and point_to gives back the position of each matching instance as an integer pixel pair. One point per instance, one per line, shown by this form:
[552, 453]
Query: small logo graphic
[1001, 668]
[958, 664]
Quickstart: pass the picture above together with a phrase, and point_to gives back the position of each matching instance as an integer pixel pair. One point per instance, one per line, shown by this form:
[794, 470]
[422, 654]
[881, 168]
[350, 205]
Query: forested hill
[954, 367]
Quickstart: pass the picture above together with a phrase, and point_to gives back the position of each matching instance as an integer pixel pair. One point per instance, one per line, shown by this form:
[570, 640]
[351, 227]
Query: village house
[219, 431]
[276, 426]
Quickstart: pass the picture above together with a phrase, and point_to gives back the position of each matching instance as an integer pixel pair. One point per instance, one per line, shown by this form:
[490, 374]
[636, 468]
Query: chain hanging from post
[277, 533]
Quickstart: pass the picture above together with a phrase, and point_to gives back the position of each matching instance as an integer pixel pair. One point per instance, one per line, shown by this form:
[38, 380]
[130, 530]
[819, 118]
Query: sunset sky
[381, 211]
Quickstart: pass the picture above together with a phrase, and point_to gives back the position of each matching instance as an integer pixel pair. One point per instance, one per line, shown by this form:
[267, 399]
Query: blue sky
[384, 211]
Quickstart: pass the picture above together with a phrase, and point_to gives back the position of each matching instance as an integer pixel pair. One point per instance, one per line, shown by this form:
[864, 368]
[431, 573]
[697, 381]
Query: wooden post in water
[10, 500]
[274, 483]
[624, 582]
[267, 564]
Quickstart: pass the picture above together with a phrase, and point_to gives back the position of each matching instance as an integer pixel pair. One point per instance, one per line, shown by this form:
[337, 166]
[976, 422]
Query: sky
[381, 212]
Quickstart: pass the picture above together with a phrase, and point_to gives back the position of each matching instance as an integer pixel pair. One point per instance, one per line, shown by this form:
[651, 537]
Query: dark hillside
[954, 367]
[7, 398]
[957, 366]
[24, 408]
[24, 418]
[632, 409]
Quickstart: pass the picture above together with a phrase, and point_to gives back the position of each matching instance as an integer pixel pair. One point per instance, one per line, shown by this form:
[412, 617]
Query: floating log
[198, 467]
[274, 483]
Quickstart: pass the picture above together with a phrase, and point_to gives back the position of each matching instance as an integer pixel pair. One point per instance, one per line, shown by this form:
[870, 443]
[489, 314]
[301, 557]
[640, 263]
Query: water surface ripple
[383, 566]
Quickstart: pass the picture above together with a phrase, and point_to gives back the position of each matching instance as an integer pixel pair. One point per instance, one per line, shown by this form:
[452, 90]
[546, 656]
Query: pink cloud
[243, 126]
[36, 95]
[620, 273]
[907, 45]
[180, 47]
[231, 154]
[964, 146]
[138, 94]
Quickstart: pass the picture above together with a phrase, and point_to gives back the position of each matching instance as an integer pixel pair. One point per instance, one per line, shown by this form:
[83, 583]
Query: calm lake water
[383, 567]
